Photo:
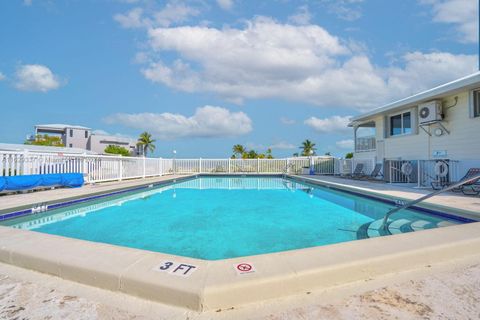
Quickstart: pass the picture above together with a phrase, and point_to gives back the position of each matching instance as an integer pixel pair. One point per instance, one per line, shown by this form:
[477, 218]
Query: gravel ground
[451, 292]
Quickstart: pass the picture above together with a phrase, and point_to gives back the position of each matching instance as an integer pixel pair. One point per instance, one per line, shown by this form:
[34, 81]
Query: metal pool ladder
[413, 202]
[285, 170]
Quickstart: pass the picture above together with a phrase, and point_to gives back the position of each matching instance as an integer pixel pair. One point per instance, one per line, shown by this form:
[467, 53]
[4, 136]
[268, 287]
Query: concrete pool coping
[218, 284]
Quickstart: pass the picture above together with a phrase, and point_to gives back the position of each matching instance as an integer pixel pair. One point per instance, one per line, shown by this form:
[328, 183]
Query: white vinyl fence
[99, 168]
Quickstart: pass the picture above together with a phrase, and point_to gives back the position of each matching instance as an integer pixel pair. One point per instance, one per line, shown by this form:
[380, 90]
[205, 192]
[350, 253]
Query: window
[71, 133]
[476, 103]
[70, 145]
[401, 124]
[86, 134]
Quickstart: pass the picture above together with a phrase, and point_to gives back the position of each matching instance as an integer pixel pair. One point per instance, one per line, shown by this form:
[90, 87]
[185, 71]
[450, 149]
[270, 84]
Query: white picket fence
[99, 168]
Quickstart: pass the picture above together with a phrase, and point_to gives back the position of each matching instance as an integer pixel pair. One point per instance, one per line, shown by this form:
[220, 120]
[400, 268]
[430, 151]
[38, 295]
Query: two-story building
[440, 125]
[80, 137]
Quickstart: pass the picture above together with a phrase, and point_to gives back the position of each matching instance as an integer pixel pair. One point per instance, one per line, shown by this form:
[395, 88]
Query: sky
[203, 75]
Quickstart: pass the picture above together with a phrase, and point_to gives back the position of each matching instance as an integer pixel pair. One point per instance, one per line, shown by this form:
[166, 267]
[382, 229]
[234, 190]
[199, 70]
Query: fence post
[419, 184]
[229, 165]
[144, 167]
[84, 166]
[391, 173]
[24, 162]
[120, 167]
[160, 173]
[287, 165]
[258, 165]
[200, 165]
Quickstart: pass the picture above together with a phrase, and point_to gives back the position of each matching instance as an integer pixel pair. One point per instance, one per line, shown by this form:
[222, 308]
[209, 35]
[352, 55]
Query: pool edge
[216, 284]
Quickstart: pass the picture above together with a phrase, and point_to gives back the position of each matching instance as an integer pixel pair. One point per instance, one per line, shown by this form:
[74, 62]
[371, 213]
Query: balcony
[365, 144]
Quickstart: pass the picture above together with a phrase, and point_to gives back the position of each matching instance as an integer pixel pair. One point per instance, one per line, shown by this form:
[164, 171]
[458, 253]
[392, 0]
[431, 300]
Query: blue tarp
[16, 183]
[51, 180]
[72, 180]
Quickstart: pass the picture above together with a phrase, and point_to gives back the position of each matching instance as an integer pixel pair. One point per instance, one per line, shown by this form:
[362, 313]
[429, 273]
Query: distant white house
[438, 125]
[79, 137]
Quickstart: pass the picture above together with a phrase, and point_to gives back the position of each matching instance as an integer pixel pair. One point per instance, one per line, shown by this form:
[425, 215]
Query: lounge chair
[376, 172]
[471, 188]
[474, 187]
[357, 173]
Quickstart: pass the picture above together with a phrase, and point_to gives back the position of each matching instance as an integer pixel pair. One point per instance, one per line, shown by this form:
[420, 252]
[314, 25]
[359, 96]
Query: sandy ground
[445, 291]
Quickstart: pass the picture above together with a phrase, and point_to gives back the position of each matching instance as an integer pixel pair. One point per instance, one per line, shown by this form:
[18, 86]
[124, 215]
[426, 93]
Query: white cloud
[282, 145]
[101, 132]
[35, 77]
[267, 59]
[27, 2]
[207, 122]
[226, 4]
[172, 13]
[422, 71]
[301, 17]
[345, 144]
[329, 125]
[462, 14]
[132, 19]
[287, 121]
[2, 76]
[344, 9]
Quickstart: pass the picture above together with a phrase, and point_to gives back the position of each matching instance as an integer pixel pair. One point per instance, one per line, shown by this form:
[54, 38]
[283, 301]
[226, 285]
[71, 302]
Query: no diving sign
[244, 268]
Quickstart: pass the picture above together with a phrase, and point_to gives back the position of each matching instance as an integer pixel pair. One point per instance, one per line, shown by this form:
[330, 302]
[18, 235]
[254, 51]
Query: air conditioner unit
[430, 112]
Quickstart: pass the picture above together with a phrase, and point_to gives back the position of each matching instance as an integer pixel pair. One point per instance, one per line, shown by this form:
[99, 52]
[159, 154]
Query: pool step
[374, 229]
[444, 223]
[419, 225]
[399, 226]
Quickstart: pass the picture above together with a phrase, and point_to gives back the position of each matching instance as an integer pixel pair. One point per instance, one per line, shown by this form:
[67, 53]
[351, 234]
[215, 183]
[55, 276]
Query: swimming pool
[216, 218]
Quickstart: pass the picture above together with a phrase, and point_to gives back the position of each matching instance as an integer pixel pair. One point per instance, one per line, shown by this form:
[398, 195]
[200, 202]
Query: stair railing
[425, 197]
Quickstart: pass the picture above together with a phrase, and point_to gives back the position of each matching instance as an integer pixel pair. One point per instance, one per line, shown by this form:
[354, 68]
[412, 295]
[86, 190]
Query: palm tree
[308, 148]
[268, 154]
[252, 154]
[238, 149]
[146, 142]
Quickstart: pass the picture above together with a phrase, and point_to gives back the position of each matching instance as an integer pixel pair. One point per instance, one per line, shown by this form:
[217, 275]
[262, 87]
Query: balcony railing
[364, 144]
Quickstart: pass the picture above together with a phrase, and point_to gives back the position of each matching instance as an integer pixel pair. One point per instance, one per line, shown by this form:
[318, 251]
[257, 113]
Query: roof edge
[435, 92]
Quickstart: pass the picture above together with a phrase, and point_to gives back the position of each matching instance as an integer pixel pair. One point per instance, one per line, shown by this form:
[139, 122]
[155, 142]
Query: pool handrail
[413, 202]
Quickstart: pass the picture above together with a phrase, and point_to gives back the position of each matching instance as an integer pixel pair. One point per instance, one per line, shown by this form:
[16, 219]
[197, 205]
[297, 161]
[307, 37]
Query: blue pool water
[215, 218]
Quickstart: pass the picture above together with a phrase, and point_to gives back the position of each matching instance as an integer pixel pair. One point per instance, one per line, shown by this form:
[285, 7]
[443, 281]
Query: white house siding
[462, 144]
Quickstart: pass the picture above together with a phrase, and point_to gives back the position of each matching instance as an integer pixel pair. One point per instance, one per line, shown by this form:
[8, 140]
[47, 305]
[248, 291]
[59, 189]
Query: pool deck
[448, 290]
[217, 285]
